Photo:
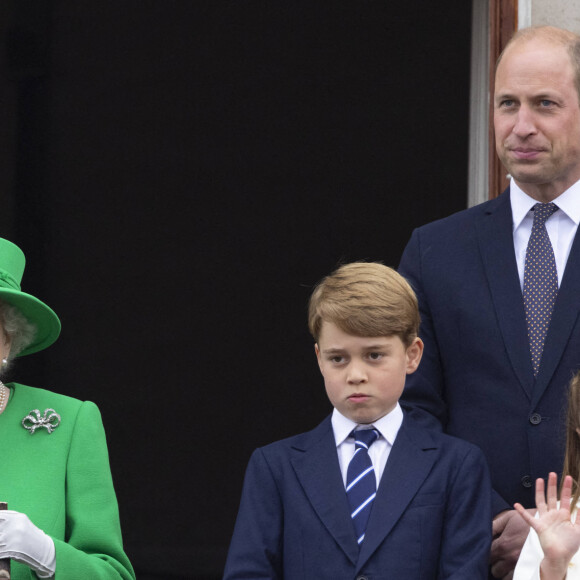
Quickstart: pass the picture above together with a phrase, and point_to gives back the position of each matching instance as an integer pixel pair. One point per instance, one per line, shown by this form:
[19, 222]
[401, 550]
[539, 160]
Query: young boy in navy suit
[367, 494]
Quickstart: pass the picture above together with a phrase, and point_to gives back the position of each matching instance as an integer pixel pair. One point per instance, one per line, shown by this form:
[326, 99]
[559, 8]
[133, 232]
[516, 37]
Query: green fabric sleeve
[93, 547]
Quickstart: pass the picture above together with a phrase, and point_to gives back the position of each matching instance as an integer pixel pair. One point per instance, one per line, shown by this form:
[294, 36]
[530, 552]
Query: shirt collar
[388, 426]
[522, 203]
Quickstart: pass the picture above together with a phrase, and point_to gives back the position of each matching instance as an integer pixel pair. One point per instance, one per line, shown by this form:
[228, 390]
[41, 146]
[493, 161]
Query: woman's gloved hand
[22, 541]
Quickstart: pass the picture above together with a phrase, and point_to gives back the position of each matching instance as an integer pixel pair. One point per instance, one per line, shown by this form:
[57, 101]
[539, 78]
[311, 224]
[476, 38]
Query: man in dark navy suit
[485, 376]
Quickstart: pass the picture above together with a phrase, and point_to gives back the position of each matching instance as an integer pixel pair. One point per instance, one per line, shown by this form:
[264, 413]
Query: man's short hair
[557, 36]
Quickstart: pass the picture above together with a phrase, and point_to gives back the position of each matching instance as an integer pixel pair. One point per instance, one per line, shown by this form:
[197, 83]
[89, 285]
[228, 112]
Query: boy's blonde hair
[365, 299]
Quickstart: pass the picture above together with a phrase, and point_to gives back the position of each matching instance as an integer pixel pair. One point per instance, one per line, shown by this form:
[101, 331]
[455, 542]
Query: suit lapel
[563, 320]
[315, 462]
[495, 238]
[407, 467]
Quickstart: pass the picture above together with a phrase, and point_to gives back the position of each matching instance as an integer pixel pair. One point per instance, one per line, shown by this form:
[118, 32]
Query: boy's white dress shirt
[388, 426]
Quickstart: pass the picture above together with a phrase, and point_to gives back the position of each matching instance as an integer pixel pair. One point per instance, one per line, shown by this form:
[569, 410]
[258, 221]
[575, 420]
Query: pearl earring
[4, 362]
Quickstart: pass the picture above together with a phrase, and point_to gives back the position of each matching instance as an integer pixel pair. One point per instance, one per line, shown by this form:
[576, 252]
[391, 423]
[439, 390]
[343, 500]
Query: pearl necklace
[4, 392]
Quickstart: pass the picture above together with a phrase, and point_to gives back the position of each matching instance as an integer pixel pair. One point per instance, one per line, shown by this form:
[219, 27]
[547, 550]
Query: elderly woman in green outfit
[62, 519]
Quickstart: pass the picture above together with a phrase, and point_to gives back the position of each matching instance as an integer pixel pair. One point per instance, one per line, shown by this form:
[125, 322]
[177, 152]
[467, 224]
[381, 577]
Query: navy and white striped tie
[361, 482]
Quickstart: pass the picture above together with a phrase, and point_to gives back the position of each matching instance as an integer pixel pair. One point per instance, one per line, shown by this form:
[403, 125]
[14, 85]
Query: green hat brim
[36, 312]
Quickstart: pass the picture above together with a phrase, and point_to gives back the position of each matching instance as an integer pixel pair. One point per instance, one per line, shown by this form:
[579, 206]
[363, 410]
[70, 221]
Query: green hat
[47, 324]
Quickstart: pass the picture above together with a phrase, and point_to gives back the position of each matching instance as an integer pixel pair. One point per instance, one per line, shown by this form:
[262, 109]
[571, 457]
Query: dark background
[179, 175]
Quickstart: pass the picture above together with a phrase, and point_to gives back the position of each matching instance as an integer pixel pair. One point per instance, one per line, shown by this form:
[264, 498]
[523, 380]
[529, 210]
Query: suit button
[526, 481]
[535, 419]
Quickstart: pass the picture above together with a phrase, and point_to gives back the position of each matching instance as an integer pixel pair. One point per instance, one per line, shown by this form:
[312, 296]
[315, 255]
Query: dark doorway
[179, 174]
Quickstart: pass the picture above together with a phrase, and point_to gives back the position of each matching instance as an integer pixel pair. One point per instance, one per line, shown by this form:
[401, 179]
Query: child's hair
[365, 299]
[572, 456]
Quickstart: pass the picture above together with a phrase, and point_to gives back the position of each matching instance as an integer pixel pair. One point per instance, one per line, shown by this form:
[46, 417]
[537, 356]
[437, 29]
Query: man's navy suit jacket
[476, 377]
[431, 518]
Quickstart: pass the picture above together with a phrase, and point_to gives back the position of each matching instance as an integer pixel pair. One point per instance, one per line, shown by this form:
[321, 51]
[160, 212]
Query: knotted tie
[540, 282]
[361, 483]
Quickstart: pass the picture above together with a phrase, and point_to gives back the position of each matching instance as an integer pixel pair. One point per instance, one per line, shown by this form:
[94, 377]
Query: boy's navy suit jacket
[431, 518]
[476, 378]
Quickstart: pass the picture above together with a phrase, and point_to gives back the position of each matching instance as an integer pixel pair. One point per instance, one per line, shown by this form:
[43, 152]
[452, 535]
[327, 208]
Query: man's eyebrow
[504, 95]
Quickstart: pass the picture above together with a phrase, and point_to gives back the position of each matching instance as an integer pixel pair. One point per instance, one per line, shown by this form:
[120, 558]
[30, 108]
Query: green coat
[62, 482]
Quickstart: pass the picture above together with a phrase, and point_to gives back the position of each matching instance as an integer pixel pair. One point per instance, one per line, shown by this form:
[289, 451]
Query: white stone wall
[562, 13]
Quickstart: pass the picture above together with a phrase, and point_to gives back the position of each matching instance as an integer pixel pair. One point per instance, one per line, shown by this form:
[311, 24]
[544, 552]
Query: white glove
[22, 541]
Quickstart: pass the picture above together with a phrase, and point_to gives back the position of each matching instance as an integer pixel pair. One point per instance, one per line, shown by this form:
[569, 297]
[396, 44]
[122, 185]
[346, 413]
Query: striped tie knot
[364, 437]
[361, 482]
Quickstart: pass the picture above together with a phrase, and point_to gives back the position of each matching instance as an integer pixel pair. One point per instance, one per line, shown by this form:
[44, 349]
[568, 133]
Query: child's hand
[559, 536]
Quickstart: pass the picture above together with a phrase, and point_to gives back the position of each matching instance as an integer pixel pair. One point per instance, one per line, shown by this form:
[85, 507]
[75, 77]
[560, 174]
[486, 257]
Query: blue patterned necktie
[361, 482]
[540, 282]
